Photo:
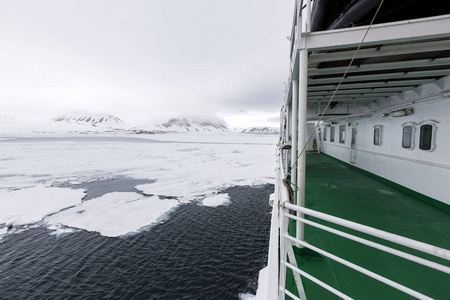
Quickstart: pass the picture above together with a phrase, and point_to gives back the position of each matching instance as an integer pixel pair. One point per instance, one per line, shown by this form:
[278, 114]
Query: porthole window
[427, 136]
[342, 134]
[332, 134]
[408, 136]
[377, 130]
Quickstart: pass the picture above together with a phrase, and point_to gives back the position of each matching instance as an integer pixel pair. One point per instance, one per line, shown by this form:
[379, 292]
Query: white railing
[286, 241]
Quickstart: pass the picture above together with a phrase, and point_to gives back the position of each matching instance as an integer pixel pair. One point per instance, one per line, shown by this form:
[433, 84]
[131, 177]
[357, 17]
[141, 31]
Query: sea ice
[246, 296]
[61, 230]
[187, 167]
[115, 214]
[209, 169]
[216, 200]
[31, 205]
[3, 231]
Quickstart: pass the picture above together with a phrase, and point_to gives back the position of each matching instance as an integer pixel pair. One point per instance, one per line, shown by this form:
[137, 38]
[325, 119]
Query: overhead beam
[356, 91]
[383, 66]
[344, 96]
[385, 76]
[418, 29]
[349, 102]
[400, 83]
[351, 97]
[383, 51]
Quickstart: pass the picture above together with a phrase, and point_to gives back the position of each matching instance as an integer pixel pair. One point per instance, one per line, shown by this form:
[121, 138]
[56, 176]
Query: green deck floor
[340, 190]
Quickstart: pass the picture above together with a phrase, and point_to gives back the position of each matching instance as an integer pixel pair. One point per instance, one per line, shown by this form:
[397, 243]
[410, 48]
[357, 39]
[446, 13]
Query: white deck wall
[426, 172]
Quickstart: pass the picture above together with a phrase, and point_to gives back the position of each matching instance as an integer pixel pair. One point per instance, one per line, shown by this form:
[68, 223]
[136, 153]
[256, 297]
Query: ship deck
[343, 191]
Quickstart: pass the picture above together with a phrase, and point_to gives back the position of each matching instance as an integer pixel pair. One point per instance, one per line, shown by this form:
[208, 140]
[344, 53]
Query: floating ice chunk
[59, 230]
[217, 200]
[246, 296]
[183, 188]
[115, 214]
[3, 231]
[31, 205]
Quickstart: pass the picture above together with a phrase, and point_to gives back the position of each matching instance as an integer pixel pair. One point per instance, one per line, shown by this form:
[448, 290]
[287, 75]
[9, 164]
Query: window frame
[378, 128]
[332, 134]
[413, 135]
[342, 130]
[433, 134]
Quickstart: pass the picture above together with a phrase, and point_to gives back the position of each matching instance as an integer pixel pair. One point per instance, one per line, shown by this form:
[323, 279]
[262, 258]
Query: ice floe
[115, 214]
[246, 296]
[31, 205]
[36, 171]
[60, 230]
[216, 200]
[3, 231]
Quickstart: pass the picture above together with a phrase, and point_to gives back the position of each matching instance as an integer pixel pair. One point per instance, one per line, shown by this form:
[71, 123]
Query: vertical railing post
[283, 220]
[294, 127]
[287, 136]
[283, 225]
[302, 107]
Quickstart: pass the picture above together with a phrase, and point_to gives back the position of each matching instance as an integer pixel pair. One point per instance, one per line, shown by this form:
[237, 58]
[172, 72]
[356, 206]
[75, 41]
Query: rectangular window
[353, 143]
[407, 137]
[426, 136]
[332, 134]
[342, 134]
[377, 136]
[325, 133]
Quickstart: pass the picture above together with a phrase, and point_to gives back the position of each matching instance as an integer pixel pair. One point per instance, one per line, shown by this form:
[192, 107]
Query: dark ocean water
[198, 253]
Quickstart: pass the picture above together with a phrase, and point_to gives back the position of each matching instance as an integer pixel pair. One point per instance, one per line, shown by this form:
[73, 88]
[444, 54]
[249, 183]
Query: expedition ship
[361, 208]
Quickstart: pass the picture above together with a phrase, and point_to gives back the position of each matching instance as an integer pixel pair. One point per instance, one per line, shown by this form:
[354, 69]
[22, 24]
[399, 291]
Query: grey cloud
[159, 57]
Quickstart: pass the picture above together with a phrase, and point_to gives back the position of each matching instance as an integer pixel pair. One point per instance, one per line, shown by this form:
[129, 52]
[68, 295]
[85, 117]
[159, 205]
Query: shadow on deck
[340, 190]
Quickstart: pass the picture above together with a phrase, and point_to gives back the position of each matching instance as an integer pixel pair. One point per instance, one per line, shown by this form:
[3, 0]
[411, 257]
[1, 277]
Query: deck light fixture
[399, 113]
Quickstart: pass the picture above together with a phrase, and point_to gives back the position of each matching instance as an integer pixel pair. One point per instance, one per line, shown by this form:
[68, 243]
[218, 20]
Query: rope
[337, 88]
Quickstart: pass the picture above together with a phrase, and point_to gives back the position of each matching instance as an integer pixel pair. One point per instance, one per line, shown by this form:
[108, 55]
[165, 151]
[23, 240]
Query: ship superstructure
[361, 208]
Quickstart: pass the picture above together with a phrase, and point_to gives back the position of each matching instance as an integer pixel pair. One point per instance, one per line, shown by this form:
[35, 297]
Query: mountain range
[99, 123]
[5, 118]
[261, 130]
[92, 120]
[193, 125]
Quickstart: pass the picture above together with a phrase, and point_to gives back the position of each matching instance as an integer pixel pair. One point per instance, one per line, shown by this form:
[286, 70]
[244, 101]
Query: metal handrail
[378, 246]
[315, 280]
[410, 243]
[362, 270]
[285, 198]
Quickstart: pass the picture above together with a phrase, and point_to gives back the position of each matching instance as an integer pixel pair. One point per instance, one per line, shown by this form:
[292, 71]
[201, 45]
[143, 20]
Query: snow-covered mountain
[106, 124]
[193, 125]
[91, 120]
[261, 130]
[5, 118]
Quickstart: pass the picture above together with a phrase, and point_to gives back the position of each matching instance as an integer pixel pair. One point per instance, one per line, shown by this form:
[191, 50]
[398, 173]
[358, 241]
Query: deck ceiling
[382, 68]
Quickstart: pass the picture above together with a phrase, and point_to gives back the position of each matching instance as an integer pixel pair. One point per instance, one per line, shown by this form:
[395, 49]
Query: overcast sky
[145, 61]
